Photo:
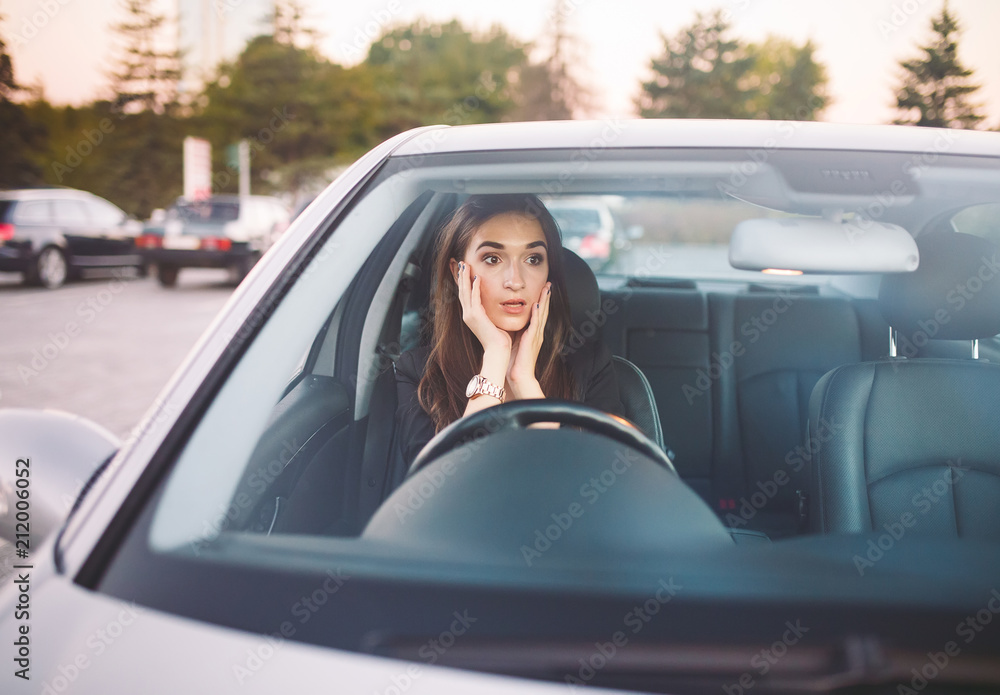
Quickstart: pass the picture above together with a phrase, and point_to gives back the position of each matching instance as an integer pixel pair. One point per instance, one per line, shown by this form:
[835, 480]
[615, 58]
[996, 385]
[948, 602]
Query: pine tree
[7, 83]
[936, 86]
[140, 162]
[700, 74]
[290, 24]
[549, 89]
[20, 139]
[148, 75]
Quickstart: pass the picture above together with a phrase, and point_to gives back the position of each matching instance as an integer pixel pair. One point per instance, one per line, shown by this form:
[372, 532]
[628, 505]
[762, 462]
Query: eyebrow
[498, 245]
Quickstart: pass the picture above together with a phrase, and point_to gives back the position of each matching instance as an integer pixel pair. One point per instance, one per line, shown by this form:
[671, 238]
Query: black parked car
[50, 235]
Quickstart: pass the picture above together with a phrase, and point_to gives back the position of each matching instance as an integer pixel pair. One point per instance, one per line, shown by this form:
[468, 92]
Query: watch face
[471, 388]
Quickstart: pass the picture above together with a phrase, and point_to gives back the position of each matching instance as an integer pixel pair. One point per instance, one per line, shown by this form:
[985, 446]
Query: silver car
[801, 496]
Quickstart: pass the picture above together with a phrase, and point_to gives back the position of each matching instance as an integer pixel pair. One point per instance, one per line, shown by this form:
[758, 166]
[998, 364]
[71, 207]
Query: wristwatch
[480, 385]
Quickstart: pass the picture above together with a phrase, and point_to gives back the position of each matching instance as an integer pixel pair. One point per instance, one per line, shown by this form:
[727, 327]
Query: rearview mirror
[812, 245]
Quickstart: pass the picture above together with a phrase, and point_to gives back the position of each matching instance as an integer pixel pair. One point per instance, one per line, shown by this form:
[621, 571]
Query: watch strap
[487, 387]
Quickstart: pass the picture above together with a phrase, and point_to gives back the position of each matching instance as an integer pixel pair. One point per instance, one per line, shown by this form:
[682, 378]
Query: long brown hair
[456, 354]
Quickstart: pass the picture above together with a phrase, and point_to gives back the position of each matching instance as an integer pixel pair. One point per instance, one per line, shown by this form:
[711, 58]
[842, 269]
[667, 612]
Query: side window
[104, 214]
[69, 213]
[33, 212]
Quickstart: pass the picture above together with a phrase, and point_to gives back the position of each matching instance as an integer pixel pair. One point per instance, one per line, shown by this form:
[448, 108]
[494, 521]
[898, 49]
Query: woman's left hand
[521, 372]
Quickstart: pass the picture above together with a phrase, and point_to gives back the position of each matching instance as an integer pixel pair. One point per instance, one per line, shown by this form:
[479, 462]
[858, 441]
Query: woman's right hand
[494, 340]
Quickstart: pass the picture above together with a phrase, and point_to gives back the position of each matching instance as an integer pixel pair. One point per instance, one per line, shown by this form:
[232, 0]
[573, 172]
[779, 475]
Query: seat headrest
[581, 286]
[954, 294]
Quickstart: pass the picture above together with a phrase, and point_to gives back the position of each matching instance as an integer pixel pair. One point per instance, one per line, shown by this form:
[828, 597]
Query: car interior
[734, 422]
[778, 422]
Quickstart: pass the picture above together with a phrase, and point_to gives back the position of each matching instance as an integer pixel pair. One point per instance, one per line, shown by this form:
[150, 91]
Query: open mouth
[514, 306]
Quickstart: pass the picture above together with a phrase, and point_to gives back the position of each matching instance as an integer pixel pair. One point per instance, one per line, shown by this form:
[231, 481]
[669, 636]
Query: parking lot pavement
[104, 347]
[101, 348]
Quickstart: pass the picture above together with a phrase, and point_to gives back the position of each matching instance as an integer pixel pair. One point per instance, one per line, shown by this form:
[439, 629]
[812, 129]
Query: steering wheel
[520, 414]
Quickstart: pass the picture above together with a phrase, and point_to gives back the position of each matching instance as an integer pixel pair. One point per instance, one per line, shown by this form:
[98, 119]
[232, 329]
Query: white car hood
[83, 642]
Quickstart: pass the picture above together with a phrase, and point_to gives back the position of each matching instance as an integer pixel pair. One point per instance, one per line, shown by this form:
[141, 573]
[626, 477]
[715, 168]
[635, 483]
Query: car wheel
[167, 275]
[50, 269]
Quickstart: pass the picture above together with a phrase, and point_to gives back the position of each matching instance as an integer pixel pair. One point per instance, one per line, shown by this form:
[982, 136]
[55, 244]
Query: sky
[66, 45]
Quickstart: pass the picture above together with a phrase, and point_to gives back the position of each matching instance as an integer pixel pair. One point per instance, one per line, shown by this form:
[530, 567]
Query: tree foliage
[550, 89]
[706, 73]
[134, 160]
[443, 73]
[141, 166]
[21, 139]
[305, 116]
[126, 148]
[936, 87]
[701, 74]
[290, 24]
[294, 106]
[147, 75]
[785, 81]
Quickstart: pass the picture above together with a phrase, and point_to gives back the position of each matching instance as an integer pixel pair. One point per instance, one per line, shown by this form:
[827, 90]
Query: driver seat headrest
[581, 286]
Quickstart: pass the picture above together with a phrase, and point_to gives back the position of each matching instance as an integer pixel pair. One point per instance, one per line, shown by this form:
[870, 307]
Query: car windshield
[290, 469]
[205, 211]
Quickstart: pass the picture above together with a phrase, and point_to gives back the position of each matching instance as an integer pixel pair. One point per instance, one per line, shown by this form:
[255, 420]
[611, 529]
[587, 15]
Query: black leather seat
[772, 379]
[587, 317]
[913, 445]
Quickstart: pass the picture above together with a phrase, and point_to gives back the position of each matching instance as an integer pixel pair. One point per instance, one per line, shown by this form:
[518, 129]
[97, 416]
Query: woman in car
[501, 322]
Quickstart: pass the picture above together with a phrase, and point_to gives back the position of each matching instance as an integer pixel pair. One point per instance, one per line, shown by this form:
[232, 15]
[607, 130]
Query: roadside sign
[197, 168]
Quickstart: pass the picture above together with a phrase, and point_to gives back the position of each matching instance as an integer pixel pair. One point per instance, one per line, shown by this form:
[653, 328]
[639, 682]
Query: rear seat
[732, 375]
[664, 331]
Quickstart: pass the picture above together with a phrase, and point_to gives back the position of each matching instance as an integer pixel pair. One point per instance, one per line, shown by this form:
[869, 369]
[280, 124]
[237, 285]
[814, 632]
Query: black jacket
[590, 365]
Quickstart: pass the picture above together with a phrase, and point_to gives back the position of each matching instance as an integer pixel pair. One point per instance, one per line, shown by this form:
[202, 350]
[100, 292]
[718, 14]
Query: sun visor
[795, 245]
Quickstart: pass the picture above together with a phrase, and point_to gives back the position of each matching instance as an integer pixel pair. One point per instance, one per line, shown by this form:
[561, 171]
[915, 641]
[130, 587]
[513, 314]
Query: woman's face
[511, 258]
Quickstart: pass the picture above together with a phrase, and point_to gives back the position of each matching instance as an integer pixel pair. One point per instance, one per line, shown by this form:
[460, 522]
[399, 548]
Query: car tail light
[149, 241]
[211, 243]
[6, 232]
[594, 246]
